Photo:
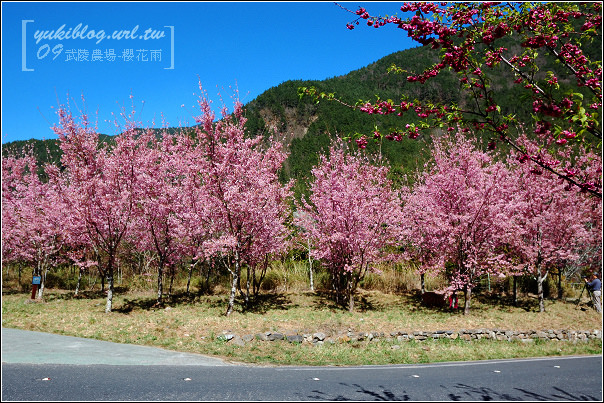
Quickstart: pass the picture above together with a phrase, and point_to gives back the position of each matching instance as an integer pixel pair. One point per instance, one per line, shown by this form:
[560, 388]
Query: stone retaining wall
[463, 334]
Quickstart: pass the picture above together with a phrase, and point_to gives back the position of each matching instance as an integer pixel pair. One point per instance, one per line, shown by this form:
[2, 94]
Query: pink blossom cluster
[498, 31]
[395, 135]
[362, 142]
[412, 131]
[543, 29]
[380, 108]
[552, 109]
[540, 41]
[386, 108]
[494, 57]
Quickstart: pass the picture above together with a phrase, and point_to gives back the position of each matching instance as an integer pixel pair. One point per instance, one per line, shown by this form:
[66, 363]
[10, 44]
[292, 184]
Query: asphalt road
[84, 370]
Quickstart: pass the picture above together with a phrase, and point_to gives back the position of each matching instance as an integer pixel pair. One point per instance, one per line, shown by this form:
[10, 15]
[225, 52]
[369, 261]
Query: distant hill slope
[46, 151]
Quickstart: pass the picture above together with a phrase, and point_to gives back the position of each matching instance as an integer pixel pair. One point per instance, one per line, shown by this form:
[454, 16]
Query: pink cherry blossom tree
[553, 220]
[158, 226]
[351, 218]
[195, 211]
[77, 247]
[458, 213]
[247, 204]
[32, 216]
[422, 235]
[14, 170]
[100, 186]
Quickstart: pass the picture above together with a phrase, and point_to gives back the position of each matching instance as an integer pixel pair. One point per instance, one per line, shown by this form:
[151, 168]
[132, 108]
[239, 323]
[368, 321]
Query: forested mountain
[305, 127]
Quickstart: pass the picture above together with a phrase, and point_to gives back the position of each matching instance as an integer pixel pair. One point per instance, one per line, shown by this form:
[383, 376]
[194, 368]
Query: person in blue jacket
[595, 286]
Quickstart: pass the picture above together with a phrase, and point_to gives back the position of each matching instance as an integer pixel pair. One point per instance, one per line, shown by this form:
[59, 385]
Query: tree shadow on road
[458, 392]
[382, 394]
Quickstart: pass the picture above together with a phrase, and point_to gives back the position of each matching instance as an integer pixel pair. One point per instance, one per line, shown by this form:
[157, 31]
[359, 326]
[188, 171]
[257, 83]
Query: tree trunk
[257, 280]
[102, 281]
[350, 295]
[109, 292]
[232, 294]
[540, 279]
[43, 273]
[40, 292]
[99, 265]
[160, 282]
[172, 274]
[515, 292]
[559, 283]
[239, 282]
[335, 285]
[109, 273]
[468, 298]
[250, 273]
[189, 278]
[77, 290]
[422, 280]
[38, 272]
[234, 282]
[312, 284]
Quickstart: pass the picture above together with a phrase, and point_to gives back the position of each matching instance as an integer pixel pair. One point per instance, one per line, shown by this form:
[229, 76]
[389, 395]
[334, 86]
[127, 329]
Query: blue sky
[249, 45]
